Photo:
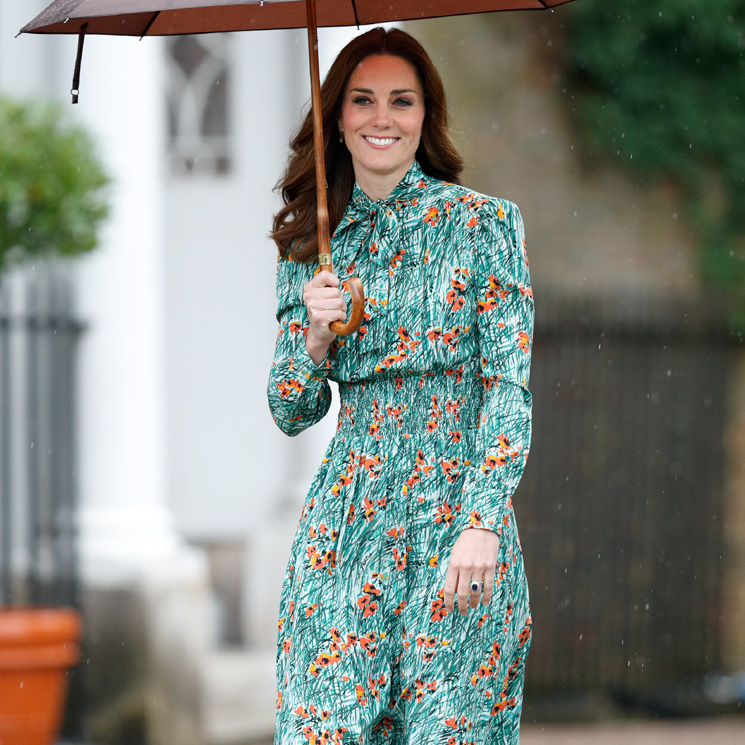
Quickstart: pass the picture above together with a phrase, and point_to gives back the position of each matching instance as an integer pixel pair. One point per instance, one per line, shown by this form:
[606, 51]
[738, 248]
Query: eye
[403, 102]
[360, 100]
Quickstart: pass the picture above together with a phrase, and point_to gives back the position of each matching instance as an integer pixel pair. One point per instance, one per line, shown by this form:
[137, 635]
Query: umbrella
[168, 17]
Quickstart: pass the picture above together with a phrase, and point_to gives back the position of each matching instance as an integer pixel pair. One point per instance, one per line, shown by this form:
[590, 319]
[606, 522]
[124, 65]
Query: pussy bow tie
[377, 225]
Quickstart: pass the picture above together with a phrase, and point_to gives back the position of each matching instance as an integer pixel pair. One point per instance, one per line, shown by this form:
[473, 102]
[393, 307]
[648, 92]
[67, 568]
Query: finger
[489, 577]
[474, 595]
[323, 305]
[322, 294]
[463, 593]
[451, 583]
[324, 279]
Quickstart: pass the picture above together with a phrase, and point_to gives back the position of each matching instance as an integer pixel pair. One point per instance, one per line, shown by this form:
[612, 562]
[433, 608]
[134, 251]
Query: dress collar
[413, 180]
[381, 217]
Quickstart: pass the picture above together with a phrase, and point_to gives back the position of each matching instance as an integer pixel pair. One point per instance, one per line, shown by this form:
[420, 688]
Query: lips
[381, 141]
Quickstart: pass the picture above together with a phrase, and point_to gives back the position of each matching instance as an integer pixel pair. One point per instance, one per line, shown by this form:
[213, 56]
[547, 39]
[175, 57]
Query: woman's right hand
[325, 304]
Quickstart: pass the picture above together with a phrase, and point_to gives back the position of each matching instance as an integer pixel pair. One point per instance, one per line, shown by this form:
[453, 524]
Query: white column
[128, 543]
[126, 526]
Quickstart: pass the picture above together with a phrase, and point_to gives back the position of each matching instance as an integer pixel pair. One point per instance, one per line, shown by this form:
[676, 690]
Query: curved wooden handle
[354, 321]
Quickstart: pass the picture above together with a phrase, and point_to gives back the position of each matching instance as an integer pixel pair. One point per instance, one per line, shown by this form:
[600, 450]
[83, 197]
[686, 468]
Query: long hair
[295, 225]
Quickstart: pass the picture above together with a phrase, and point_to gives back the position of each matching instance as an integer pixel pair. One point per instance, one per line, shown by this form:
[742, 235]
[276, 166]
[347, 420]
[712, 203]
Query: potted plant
[51, 204]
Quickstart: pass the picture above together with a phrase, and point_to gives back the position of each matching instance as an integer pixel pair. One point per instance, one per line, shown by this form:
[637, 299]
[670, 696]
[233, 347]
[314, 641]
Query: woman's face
[381, 120]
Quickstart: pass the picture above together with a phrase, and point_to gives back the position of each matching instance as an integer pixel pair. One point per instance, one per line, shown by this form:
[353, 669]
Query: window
[198, 89]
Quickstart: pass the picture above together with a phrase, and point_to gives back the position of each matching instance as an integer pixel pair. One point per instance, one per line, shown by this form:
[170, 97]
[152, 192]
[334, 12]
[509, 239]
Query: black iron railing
[620, 508]
[38, 338]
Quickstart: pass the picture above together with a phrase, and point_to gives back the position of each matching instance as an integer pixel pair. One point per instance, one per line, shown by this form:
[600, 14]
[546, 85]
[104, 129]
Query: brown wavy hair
[295, 225]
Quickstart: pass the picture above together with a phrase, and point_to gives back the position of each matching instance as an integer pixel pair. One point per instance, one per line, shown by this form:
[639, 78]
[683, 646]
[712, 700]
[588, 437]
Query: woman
[410, 513]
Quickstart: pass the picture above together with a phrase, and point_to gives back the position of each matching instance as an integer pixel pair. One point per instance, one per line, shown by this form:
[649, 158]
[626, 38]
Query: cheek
[416, 126]
[347, 118]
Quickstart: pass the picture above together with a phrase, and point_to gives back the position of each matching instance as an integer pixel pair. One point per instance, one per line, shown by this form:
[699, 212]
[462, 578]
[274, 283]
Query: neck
[379, 186]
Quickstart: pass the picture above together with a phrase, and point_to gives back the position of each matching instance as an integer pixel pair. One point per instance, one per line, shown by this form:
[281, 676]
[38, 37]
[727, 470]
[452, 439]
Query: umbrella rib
[149, 24]
[543, 3]
[75, 91]
[356, 18]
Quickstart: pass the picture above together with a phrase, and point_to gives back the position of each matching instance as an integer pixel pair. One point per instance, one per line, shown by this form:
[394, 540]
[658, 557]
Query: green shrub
[660, 87]
[51, 184]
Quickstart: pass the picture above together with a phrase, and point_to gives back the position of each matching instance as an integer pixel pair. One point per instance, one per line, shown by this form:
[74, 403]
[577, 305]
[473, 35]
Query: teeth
[381, 140]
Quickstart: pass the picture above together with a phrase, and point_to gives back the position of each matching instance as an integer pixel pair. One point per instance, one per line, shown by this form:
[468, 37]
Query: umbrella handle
[357, 311]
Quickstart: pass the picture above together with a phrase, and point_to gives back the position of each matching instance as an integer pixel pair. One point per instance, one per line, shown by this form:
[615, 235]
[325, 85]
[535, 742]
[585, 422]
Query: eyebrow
[397, 92]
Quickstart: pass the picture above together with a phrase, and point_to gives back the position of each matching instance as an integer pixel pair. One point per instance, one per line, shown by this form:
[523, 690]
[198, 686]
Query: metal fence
[38, 336]
[620, 508]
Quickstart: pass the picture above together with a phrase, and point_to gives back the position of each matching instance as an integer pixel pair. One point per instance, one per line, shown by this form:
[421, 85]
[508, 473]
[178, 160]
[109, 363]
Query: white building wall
[234, 476]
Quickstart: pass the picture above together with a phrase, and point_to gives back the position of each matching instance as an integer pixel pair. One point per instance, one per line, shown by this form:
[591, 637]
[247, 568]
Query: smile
[381, 141]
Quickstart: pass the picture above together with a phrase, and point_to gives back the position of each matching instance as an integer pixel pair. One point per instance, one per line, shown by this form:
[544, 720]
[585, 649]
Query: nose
[381, 115]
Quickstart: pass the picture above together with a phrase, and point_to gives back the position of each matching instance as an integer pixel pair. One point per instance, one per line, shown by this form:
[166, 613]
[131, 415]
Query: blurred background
[143, 482]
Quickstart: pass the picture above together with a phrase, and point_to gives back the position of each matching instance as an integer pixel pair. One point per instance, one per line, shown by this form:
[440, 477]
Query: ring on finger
[475, 587]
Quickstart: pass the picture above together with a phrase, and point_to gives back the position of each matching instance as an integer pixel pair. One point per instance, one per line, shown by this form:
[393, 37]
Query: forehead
[383, 73]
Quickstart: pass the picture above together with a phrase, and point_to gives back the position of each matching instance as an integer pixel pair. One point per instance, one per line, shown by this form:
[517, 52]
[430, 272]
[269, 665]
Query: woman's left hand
[473, 560]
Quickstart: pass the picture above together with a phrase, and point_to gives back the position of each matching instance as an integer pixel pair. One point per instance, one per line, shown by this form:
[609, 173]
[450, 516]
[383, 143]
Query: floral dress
[432, 438]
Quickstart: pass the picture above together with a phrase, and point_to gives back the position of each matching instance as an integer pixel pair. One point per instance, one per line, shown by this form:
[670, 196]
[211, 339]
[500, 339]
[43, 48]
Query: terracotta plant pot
[37, 645]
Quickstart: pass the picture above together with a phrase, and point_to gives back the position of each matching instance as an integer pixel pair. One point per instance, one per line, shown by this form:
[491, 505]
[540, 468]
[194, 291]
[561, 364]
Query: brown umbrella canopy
[166, 17]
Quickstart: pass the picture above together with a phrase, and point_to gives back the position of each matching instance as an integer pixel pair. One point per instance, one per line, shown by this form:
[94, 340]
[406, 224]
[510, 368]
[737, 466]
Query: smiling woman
[381, 120]
[295, 225]
[410, 515]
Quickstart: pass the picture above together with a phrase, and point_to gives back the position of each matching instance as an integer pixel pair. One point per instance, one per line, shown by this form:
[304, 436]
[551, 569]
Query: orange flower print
[432, 216]
[446, 512]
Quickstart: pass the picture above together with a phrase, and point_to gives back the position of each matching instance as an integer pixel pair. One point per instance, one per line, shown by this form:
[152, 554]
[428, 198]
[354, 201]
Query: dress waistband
[444, 401]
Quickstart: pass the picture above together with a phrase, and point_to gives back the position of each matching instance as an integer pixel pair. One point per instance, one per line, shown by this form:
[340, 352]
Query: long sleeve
[298, 390]
[505, 334]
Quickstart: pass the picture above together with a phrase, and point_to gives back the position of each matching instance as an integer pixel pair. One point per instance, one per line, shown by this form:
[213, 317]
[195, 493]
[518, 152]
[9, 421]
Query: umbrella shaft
[324, 250]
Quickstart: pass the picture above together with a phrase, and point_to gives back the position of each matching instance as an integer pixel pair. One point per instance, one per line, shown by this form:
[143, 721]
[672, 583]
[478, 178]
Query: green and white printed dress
[432, 438]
